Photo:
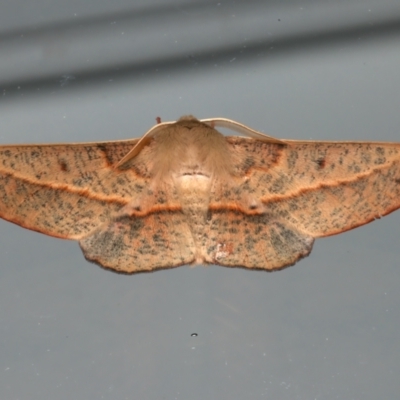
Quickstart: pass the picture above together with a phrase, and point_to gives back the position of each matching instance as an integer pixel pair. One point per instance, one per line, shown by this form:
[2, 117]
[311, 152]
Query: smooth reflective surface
[325, 328]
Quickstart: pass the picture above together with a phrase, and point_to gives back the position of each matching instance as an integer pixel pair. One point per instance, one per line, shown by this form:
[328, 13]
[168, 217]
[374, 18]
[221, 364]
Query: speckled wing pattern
[298, 192]
[63, 190]
[193, 196]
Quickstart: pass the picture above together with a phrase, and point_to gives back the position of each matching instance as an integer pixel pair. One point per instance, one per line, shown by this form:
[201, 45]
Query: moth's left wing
[131, 244]
[75, 191]
[65, 190]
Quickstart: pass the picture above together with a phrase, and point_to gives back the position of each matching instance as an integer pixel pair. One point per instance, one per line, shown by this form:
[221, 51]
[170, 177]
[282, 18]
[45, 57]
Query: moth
[186, 194]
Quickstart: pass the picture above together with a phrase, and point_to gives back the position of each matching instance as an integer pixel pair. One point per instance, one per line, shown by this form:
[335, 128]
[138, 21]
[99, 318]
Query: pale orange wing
[74, 191]
[287, 195]
[131, 244]
[65, 190]
[264, 213]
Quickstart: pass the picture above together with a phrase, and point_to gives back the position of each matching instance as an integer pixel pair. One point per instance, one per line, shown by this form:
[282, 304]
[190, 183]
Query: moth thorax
[194, 188]
[194, 192]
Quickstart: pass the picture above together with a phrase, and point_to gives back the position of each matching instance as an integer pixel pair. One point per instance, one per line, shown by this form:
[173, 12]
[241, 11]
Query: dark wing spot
[63, 165]
[321, 162]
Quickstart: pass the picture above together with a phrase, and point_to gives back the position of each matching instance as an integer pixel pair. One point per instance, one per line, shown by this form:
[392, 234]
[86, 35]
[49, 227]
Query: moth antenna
[240, 128]
[143, 141]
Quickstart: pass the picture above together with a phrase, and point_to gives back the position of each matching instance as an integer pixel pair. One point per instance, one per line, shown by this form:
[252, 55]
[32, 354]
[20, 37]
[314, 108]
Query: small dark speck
[321, 162]
[63, 166]
[194, 335]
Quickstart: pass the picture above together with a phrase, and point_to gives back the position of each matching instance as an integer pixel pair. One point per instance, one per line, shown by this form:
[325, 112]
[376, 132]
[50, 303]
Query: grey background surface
[328, 328]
